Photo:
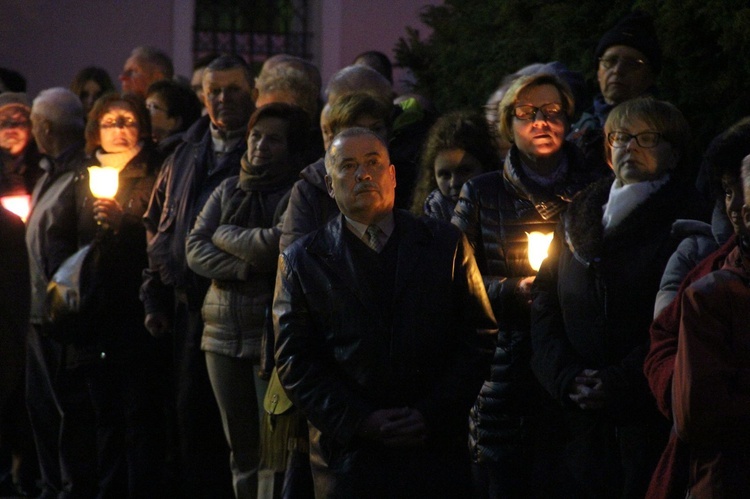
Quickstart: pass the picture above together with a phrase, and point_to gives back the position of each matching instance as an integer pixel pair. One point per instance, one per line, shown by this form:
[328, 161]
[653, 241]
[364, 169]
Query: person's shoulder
[313, 175]
[318, 240]
[487, 179]
[713, 283]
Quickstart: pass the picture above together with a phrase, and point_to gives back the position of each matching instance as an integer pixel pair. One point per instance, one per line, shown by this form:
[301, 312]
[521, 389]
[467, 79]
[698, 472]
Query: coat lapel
[333, 251]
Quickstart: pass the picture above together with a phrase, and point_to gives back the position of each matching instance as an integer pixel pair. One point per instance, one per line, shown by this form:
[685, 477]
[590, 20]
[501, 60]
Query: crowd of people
[300, 291]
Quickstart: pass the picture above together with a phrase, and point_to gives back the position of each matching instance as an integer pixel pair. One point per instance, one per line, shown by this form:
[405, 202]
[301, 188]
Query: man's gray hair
[356, 131]
[359, 79]
[285, 78]
[59, 106]
[155, 58]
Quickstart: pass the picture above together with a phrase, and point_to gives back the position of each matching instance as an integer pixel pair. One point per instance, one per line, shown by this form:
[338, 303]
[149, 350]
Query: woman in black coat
[121, 368]
[540, 175]
[594, 299]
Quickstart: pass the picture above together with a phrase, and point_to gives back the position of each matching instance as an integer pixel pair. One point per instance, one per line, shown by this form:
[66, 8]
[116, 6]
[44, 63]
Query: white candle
[538, 246]
[103, 181]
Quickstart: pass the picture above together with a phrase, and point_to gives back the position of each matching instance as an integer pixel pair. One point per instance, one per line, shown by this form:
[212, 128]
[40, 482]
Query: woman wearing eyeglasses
[112, 359]
[594, 300]
[539, 177]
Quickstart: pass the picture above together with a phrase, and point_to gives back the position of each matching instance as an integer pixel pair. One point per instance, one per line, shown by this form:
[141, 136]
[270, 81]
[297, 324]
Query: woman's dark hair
[298, 125]
[94, 73]
[725, 154]
[180, 100]
[463, 129]
[103, 104]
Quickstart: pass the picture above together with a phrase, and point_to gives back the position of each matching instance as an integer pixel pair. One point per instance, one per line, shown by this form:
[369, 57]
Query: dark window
[253, 29]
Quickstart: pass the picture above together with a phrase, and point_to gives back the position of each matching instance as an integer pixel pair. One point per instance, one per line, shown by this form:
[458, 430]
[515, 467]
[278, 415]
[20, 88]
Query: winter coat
[438, 206]
[51, 226]
[670, 477]
[711, 388]
[310, 205]
[339, 359]
[593, 303]
[697, 241]
[241, 261]
[495, 211]
[187, 179]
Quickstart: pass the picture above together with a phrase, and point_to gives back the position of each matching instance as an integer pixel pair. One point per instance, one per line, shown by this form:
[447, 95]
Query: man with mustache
[384, 334]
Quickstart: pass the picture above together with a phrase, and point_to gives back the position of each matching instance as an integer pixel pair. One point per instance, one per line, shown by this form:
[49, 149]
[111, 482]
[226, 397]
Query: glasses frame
[541, 108]
[118, 123]
[611, 139]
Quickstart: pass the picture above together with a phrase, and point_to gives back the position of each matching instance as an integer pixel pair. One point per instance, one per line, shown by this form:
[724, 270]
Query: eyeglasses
[627, 63]
[118, 123]
[643, 139]
[4, 125]
[551, 111]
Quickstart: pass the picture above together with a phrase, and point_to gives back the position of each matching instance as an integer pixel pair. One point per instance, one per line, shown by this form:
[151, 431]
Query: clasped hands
[399, 427]
[587, 390]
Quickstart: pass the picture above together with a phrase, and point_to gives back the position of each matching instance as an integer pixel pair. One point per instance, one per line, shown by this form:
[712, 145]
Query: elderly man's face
[228, 97]
[136, 76]
[361, 179]
[624, 73]
[15, 130]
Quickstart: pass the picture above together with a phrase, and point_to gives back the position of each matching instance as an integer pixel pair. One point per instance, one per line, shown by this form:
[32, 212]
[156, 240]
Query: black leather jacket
[187, 179]
[339, 361]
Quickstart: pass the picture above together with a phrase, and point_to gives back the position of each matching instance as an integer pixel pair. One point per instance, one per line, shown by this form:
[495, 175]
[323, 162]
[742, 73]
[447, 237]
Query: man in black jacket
[384, 336]
[171, 292]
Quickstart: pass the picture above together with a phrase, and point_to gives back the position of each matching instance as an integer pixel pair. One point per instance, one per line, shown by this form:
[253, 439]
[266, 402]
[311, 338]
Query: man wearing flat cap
[628, 58]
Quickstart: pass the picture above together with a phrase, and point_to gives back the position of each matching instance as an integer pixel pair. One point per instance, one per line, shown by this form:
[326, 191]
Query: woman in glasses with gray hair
[594, 300]
[540, 175]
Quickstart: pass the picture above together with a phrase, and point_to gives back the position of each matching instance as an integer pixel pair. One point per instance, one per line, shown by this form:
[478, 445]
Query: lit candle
[103, 181]
[538, 246]
[20, 205]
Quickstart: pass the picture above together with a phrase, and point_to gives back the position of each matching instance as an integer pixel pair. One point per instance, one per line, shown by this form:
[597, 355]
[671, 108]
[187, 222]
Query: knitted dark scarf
[246, 207]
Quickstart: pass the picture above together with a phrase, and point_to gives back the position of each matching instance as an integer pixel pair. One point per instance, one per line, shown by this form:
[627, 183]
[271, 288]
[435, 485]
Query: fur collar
[584, 232]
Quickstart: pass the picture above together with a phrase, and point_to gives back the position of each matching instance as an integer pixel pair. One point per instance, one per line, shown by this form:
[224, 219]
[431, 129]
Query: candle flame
[20, 205]
[538, 246]
[103, 181]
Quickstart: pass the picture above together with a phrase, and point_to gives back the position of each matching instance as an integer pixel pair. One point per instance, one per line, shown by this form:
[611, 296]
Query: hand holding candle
[103, 183]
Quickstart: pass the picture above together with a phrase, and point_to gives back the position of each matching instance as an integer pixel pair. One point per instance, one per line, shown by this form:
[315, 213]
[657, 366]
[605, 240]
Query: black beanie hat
[634, 30]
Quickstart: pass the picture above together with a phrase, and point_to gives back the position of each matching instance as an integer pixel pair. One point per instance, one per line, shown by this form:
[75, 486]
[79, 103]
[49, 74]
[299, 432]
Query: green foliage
[705, 45]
